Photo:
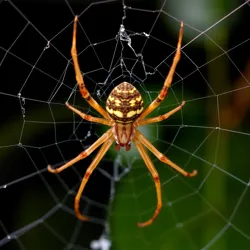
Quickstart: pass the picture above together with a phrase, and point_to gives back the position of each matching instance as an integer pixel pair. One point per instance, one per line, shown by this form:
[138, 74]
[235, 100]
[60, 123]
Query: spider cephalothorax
[124, 113]
[124, 106]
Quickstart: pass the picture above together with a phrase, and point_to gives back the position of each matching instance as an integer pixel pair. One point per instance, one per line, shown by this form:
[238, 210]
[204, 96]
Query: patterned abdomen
[124, 103]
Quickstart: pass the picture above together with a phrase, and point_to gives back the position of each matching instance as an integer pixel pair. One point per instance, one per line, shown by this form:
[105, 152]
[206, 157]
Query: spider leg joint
[157, 179]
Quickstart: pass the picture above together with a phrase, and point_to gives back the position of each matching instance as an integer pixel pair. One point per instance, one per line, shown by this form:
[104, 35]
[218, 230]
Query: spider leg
[89, 117]
[156, 178]
[160, 117]
[79, 78]
[87, 174]
[83, 154]
[168, 79]
[162, 157]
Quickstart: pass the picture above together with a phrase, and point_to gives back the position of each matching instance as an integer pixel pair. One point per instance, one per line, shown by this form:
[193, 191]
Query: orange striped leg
[83, 154]
[89, 117]
[160, 117]
[156, 178]
[162, 157]
[168, 79]
[89, 171]
[84, 92]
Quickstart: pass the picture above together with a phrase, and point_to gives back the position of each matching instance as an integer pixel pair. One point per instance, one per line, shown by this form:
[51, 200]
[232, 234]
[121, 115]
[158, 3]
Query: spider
[124, 113]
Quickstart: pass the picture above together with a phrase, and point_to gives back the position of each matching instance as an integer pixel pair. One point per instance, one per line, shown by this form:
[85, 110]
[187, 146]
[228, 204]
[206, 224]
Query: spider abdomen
[124, 103]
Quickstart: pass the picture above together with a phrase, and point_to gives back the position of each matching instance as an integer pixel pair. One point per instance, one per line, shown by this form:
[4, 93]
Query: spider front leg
[156, 178]
[168, 79]
[83, 154]
[160, 156]
[88, 172]
[79, 78]
[107, 140]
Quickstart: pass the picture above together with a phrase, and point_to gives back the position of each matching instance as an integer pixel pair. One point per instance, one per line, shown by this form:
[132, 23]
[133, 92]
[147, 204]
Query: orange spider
[124, 113]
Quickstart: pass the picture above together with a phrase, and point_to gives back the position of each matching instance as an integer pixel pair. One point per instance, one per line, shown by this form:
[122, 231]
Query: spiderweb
[130, 41]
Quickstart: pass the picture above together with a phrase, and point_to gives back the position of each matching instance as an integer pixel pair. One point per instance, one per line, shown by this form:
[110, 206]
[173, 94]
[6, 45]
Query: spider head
[124, 104]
